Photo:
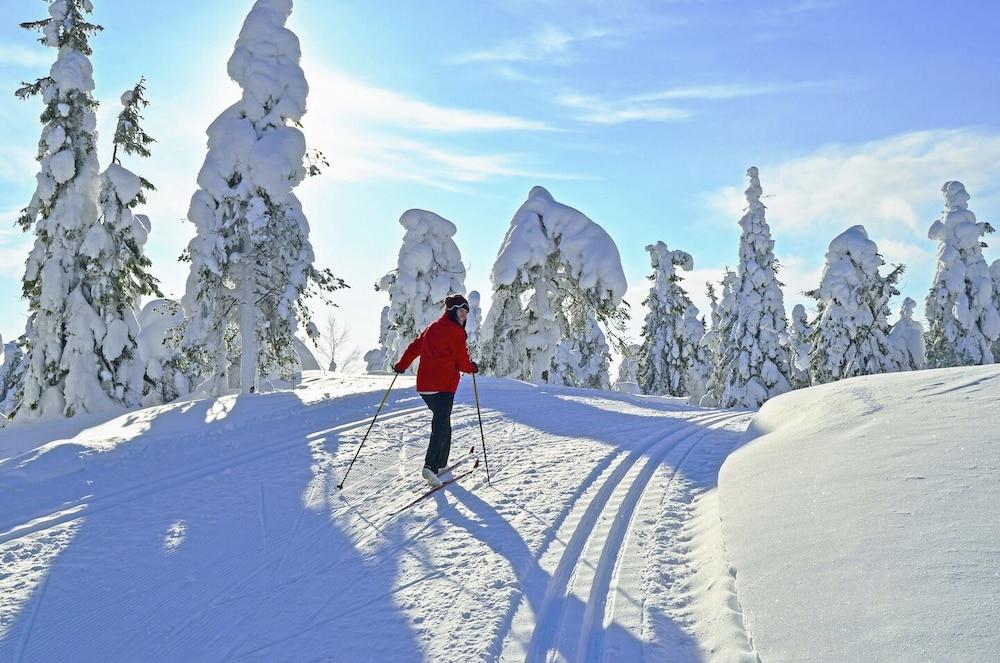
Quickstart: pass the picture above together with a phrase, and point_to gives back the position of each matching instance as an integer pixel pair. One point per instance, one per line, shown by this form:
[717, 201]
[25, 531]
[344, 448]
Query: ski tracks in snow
[593, 605]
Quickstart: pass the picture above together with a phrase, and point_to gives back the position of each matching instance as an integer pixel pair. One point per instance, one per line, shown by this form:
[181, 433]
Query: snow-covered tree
[63, 370]
[582, 358]
[995, 275]
[851, 332]
[799, 344]
[11, 375]
[722, 310]
[557, 275]
[428, 269]
[474, 322]
[251, 259]
[117, 270]
[962, 316]
[669, 340]
[161, 332]
[907, 339]
[700, 366]
[628, 370]
[752, 364]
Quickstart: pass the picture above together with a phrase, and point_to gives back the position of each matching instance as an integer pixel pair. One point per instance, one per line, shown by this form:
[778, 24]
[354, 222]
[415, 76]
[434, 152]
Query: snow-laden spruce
[907, 339]
[474, 322]
[428, 269]
[671, 331]
[64, 372]
[117, 274]
[720, 317]
[962, 316]
[851, 331]
[995, 275]
[557, 277]
[752, 364]
[12, 367]
[251, 260]
[168, 372]
[628, 370]
[799, 333]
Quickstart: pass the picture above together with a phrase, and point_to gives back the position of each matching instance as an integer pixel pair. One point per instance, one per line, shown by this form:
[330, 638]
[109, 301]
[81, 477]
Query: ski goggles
[455, 307]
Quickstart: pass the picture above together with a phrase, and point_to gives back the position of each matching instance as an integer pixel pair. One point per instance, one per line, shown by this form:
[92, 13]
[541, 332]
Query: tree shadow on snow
[227, 555]
[547, 598]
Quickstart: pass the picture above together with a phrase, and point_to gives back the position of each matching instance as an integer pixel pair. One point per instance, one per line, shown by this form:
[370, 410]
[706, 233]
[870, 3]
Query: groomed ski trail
[242, 548]
[596, 531]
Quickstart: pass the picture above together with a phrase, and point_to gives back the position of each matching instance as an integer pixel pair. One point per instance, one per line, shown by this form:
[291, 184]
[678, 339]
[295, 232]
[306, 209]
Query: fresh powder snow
[860, 522]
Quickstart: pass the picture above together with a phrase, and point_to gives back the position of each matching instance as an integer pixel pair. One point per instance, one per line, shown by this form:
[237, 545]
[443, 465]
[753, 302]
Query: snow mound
[861, 521]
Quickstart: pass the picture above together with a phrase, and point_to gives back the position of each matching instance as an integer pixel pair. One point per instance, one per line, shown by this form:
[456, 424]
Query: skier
[443, 353]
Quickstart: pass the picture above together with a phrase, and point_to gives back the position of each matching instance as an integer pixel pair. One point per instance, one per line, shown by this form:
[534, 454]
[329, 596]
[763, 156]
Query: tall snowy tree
[557, 277]
[474, 322]
[251, 260]
[851, 332]
[752, 364]
[907, 339]
[722, 311]
[799, 344]
[63, 373]
[428, 269]
[669, 342]
[117, 273]
[962, 316]
[995, 275]
[628, 370]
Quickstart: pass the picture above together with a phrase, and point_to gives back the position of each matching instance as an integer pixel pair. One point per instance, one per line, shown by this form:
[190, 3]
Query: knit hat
[455, 302]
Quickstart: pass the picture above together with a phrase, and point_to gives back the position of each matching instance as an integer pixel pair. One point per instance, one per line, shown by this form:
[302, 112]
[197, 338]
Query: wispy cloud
[22, 56]
[886, 185]
[597, 110]
[649, 106]
[552, 44]
[350, 98]
[784, 12]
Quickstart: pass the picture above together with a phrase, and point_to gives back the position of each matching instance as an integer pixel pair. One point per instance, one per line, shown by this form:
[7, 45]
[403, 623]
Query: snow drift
[861, 521]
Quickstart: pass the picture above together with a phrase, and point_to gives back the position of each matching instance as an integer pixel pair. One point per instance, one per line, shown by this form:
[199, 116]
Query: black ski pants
[440, 445]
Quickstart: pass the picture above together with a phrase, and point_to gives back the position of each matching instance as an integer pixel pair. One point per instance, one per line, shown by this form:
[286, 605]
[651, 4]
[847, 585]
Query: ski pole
[481, 434]
[340, 485]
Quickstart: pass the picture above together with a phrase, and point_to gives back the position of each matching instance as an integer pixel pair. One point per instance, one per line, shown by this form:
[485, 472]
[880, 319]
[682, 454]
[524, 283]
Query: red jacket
[443, 353]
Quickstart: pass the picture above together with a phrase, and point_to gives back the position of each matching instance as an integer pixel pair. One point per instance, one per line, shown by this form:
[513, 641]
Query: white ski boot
[431, 478]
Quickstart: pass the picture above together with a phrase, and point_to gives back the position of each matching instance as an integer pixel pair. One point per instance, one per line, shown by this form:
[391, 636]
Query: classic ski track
[591, 641]
[130, 493]
[375, 474]
[551, 609]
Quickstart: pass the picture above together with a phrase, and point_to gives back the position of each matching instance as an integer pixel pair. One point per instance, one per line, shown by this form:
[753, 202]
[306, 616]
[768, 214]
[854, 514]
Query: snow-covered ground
[862, 521]
[213, 530]
[859, 526]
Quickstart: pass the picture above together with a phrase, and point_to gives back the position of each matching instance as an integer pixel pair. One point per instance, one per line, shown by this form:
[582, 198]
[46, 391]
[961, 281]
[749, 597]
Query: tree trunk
[248, 327]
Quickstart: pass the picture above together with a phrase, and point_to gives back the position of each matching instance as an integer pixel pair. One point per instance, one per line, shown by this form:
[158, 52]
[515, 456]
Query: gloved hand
[475, 367]
[398, 370]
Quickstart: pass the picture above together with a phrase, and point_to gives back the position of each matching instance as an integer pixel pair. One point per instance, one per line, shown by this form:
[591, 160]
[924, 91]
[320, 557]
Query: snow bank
[861, 523]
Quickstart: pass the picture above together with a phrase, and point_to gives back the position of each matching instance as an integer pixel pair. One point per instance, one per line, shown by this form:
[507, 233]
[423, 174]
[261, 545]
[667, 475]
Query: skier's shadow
[533, 582]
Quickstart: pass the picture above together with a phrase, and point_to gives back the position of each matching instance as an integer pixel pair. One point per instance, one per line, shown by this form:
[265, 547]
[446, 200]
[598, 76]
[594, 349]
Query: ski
[465, 458]
[468, 456]
[431, 491]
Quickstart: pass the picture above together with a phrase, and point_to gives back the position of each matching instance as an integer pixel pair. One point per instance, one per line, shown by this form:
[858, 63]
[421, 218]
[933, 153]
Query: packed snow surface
[862, 520]
[213, 530]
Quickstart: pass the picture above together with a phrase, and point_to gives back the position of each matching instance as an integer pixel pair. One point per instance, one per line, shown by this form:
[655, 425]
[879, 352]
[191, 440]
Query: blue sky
[643, 115]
